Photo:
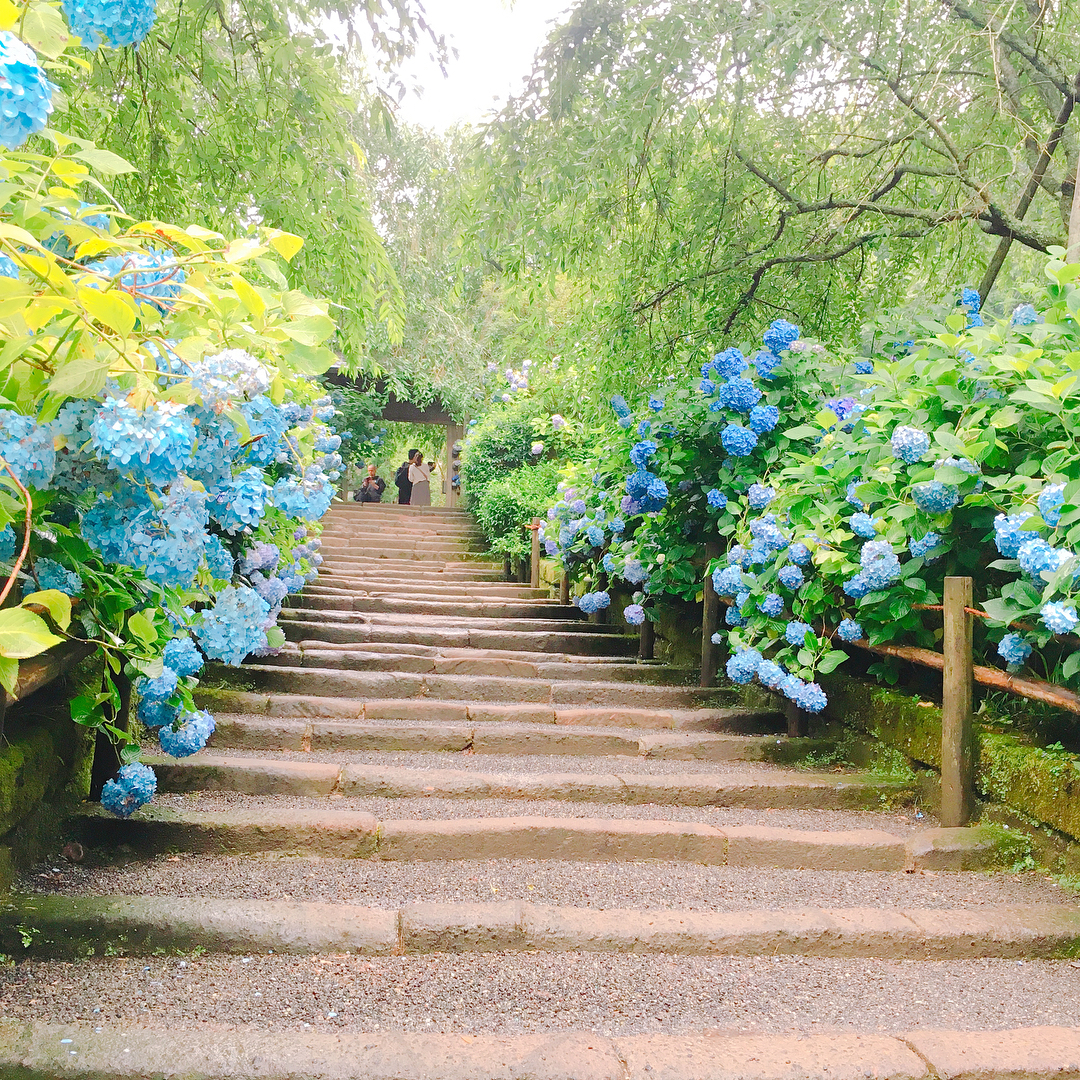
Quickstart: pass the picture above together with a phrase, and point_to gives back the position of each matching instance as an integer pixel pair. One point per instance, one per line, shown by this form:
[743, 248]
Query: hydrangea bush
[844, 485]
[165, 450]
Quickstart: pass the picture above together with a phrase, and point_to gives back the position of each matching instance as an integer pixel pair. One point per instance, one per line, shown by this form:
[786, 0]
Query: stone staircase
[453, 830]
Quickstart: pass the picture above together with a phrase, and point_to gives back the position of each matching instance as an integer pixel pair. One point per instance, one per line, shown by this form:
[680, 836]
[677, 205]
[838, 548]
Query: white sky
[496, 42]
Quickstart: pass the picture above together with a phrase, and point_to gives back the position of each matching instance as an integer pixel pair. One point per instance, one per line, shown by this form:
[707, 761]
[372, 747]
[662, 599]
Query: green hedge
[506, 505]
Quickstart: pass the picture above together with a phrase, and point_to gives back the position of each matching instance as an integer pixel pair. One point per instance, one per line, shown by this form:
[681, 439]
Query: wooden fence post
[564, 589]
[957, 740]
[534, 579]
[710, 619]
[646, 640]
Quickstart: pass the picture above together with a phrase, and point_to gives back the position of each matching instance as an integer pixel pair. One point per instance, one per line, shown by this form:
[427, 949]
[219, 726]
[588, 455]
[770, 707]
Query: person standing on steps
[420, 477]
[373, 486]
[401, 479]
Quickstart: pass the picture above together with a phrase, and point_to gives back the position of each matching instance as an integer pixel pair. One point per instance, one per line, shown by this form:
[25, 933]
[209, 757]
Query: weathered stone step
[133, 925]
[299, 627]
[411, 622]
[352, 834]
[37, 1050]
[760, 790]
[317, 599]
[429, 710]
[240, 732]
[331, 682]
[473, 568]
[340, 526]
[450, 652]
[368, 551]
[388, 584]
[361, 659]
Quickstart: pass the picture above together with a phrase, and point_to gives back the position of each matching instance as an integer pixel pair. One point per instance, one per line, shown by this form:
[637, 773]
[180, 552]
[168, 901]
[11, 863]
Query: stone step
[409, 621]
[144, 925]
[372, 550]
[475, 662]
[279, 776]
[331, 682]
[354, 834]
[241, 732]
[476, 653]
[383, 585]
[299, 627]
[407, 564]
[410, 570]
[426, 710]
[446, 547]
[343, 526]
[318, 599]
[34, 1048]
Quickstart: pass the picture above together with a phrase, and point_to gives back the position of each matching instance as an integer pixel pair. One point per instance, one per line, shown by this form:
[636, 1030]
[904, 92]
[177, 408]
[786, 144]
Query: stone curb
[267, 776]
[41, 1051]
[137, 925]
[354, 835]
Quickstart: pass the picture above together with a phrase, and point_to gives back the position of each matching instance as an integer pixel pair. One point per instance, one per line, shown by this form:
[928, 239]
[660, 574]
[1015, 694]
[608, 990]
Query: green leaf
[58, 603]
[9, 674]
[275, 637]
[80, 379]
[1071, 665]
[309, 330]
[24, 634]
[105, 161]
[310, 359]
[142, 628]
[831, 661]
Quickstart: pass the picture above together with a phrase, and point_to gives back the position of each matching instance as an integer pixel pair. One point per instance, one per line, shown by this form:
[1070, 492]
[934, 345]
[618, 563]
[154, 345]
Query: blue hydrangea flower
[218, 560]
[742, 667]
[790, 685]
[765, 363]
[158, 689]
[857, 587]
[644, 428]
[810, 698]
[641, 452]
[153, 445]
[1059, 618]
[618, 403]
[737, 440]
[308, 499]
[759, 496]
[595, 535]
[770, 674]
[8, 267]
[1051, 499]
[852, 498]
[183, 657]
[717, 499]
[727, 581]
[656, 403]
[25, 92]
[880, 566]
[733, 617]
[763, 418]
[795, 632]
[737, 555]
[27, 447]
[1025, 315]
[593, 602]
[849, 630]
[772, 605]
[739, 394]
[1008, 534]
[51, 575]
[909, 443]
[190, 737]
[919, 548]
[1013, 649]
[707, 387]
[634, 614]
[235, 375]
[110, 22]
[234, 627]
[935, 497]
[729, 364]
[156, 713]
[780, 336]
[657, 489]
[864, 367]
[791, 577]
[799, 554]
[617, 526]
[863, 525]
[134, 786]
[1037, 557]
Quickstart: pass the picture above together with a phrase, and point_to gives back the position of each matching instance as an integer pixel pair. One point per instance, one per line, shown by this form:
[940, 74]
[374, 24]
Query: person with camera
[371, 490]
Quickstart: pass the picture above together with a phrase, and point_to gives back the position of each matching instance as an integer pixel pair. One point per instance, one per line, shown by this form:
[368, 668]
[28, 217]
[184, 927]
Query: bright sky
[496, 43]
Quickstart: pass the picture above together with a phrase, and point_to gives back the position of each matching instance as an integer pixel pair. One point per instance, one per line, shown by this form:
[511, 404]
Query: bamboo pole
[957, 738]
[710, 619]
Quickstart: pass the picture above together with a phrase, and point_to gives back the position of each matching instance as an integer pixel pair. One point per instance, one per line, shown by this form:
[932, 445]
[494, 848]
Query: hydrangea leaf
[9, 674]
[24, 634]
[105, 161]
[111, 308]
[58, 604]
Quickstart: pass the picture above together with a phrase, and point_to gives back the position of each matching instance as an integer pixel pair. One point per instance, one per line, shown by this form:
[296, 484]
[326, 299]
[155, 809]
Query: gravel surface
[655, 886]
[513, 764]
[520, 993]
[899, 823]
